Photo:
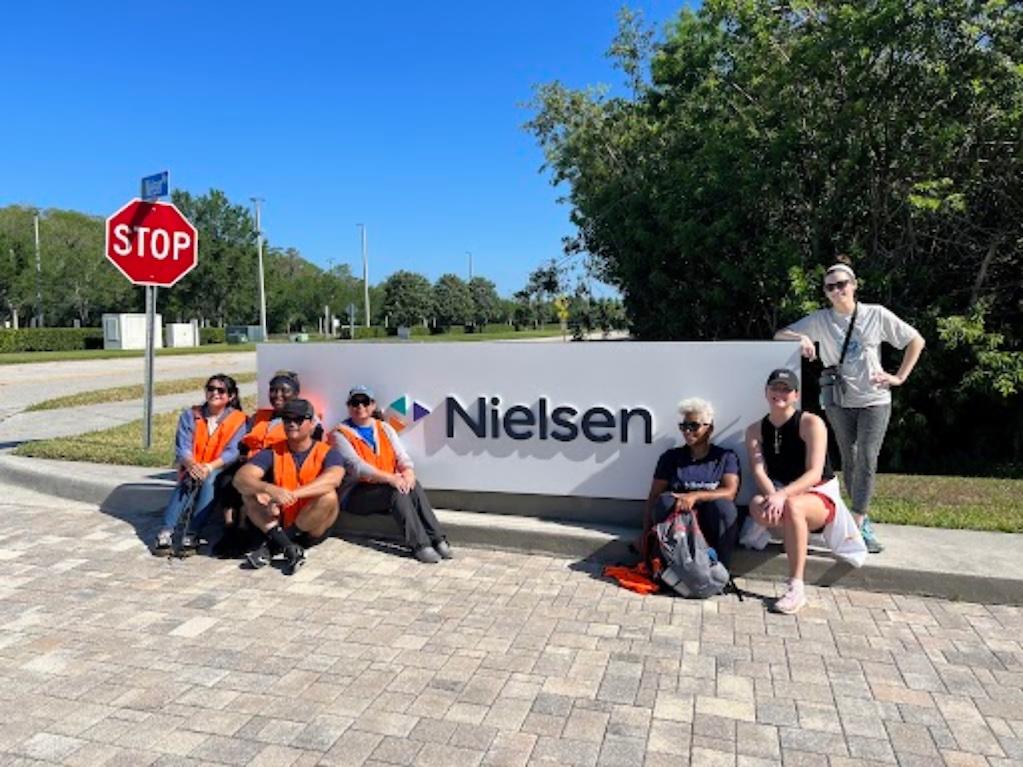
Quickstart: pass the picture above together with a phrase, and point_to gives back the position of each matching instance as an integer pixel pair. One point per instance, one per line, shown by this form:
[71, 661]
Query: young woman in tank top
[788, 453]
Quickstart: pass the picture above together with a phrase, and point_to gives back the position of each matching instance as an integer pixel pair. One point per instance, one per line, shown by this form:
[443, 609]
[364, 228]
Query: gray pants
[859, 432]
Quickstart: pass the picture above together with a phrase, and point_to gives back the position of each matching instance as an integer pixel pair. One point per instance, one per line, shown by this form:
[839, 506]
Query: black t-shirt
[264, 459]
[685, 474]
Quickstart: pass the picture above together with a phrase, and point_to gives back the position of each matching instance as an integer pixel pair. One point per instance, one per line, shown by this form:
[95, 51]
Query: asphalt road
[24, 385]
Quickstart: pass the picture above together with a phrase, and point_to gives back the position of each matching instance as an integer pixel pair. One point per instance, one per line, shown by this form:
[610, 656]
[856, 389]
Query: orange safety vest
[207, 447]
[383, 459]
[261, 435]
[290, 478]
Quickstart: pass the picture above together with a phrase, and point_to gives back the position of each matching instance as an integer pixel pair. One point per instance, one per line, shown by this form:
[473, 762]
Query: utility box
[182, 334]
[243, 334]
[128, 331]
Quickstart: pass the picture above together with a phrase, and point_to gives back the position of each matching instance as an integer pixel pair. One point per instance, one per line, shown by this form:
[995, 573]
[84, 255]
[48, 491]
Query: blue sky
[404, 116]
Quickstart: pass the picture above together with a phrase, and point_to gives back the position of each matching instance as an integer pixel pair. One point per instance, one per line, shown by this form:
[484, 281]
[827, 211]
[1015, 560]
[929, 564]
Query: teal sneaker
[867, 531]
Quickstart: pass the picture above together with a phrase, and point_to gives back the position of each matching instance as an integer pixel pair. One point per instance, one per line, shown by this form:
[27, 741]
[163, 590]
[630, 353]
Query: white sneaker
[792, 601]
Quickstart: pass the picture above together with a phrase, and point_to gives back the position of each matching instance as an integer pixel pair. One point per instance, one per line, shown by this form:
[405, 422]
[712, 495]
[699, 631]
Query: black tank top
[785, 452]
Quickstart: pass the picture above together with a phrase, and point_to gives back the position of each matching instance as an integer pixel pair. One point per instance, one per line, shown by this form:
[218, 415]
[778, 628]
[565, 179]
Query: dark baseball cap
[784, 376]
[298, 408]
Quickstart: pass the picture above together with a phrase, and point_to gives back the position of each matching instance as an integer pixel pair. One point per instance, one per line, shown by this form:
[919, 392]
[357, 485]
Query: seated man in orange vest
[291, 487]
[381, 478]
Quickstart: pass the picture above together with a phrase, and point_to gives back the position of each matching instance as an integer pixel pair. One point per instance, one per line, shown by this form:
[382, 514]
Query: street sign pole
[152, 244]
[147, 401]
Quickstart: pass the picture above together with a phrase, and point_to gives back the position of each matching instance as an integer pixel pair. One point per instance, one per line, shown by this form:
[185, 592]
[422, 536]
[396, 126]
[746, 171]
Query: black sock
[278, 537]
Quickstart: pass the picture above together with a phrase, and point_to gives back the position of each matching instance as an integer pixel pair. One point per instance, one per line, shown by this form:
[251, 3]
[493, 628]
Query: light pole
[365, 272]
[469, 254]
[259, 258]
[39, 275]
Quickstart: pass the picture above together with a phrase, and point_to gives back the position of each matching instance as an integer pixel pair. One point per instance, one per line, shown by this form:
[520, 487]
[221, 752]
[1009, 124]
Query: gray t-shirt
[874, 324]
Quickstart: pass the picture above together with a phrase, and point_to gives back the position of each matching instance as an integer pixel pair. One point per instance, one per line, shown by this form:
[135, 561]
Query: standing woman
[856, 389]
[206, 443]
[379, 478]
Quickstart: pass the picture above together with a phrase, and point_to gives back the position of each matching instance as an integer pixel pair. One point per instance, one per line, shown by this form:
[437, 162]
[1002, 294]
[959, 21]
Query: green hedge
[374, 331]
[50, 339]
[212, 335]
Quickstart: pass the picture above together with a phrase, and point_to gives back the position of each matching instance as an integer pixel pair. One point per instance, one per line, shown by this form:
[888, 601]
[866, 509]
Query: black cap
[297, 408]
[785, 376]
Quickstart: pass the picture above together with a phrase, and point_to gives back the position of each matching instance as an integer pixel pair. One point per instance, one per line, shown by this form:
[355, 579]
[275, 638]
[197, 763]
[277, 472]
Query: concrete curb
[138, 495]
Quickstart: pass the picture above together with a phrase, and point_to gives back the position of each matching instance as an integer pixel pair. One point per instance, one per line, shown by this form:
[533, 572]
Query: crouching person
[381, 478]
[289, 490]
[698, 476]
[205, 444]
[788, 454]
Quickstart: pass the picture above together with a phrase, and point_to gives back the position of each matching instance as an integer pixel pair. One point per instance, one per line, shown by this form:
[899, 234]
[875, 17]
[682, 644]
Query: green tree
[223, 288]
[452, 301]
[762, 139]
[408, 298]
[486, 304]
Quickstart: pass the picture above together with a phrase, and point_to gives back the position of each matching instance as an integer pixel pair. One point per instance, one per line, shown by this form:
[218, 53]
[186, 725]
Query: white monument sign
[583, 419]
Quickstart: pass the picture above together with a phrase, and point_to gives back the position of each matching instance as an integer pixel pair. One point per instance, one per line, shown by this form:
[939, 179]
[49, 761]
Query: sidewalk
[952, 564]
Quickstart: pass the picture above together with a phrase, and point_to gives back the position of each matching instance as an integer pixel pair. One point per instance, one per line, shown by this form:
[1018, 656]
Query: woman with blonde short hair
[697, 476]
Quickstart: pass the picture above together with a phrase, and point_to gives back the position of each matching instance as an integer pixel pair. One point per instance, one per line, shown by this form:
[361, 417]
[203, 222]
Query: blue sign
[156, 186]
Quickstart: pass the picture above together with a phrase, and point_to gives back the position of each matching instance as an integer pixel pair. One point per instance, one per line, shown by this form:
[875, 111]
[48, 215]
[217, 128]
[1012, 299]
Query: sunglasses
[359, 402]
[216, 390]
[839, 285]
[691, 425]
[295, 420]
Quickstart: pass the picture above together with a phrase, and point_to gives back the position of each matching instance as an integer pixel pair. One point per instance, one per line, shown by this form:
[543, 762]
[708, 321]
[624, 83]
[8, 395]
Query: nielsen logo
[597, 424]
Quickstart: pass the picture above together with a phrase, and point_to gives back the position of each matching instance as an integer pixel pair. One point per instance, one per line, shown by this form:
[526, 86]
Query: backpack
[682, 560]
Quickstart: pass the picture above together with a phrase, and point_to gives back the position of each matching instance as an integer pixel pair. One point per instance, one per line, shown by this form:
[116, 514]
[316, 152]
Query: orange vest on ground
[207, 447]
[383, 459]
[290, 478]
[260, 434]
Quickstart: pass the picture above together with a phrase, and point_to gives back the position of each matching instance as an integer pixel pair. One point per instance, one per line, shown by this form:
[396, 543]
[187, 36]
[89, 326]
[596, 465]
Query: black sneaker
[189, 545]
[259, 556]
[294, 557]
[163, 546]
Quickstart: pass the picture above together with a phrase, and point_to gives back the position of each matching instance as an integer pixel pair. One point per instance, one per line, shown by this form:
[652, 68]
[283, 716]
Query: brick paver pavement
[110, 657]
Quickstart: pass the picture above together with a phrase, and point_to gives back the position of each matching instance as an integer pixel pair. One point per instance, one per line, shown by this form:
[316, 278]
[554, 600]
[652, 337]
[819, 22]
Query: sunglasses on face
[839, 285]
[691, 425]
[216, 390]
[295, 420]
[359, 402]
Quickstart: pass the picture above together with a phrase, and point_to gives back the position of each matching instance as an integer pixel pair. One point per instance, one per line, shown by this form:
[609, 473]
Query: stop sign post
[154, 245]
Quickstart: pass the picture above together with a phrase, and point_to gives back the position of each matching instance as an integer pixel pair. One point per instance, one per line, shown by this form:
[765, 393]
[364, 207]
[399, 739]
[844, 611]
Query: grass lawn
[119, 445]
[18, 358]
[447, 337]
[136, 391]
[969, 503]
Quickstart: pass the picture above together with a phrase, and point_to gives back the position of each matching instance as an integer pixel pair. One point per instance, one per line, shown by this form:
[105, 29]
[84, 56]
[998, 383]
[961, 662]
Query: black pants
[718, 520]
[412, 511]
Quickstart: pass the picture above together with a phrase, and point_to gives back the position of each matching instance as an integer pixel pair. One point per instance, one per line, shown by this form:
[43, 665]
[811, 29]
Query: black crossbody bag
[831, 381]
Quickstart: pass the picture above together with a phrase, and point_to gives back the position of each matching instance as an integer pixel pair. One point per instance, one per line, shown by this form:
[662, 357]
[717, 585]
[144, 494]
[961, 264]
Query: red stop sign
[152, 243]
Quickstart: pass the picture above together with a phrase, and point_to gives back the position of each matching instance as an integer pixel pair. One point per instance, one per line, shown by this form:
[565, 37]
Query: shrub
[212, 336]
[50, 339]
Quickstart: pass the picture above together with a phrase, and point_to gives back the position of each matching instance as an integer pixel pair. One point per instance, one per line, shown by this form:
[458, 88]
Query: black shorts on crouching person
[718, 520]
